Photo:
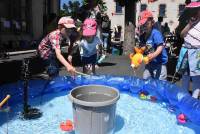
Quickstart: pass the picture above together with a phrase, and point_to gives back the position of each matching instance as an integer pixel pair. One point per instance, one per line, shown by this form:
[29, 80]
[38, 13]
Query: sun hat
[67, 22]
[143, 17]
[89, 27]
[193, 5]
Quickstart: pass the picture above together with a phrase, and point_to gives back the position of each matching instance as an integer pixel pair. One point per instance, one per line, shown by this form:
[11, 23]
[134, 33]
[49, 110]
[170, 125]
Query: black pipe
[28, 112]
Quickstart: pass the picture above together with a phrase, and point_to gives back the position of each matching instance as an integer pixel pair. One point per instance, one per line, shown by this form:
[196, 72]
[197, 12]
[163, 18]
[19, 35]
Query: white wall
[116, 19]
[172, 9]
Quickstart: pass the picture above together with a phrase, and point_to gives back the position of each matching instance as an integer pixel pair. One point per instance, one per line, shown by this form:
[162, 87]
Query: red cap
[144, 15]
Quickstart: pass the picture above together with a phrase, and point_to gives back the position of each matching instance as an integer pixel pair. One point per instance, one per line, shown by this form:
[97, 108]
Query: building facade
[24, 20]
[170, 10]
[116, 14]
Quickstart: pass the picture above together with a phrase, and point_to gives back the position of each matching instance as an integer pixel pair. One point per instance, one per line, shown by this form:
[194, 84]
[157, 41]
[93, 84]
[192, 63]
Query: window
[14, 16]
[143, 7]
[118, 8]
[181, 7]
[162, 10]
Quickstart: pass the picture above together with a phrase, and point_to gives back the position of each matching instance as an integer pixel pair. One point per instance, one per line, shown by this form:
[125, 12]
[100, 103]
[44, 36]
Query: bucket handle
[4, 100]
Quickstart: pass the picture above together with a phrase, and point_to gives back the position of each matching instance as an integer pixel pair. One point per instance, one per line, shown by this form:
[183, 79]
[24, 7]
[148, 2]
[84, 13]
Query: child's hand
[193, 21]
[69, 59]
[71, 70]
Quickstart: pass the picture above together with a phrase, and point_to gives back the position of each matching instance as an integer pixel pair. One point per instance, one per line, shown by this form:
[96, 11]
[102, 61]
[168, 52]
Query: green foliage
[62, 13]
[70, 9]
[102, 5]
[90, 4]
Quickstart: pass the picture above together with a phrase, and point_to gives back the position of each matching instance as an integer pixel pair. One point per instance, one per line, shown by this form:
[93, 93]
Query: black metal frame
[28, 112]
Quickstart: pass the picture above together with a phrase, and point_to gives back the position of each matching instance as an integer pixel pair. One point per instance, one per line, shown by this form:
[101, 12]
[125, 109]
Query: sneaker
[196, 93]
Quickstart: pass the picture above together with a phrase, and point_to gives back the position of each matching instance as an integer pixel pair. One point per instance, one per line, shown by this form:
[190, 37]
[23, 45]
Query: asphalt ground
[10, 69]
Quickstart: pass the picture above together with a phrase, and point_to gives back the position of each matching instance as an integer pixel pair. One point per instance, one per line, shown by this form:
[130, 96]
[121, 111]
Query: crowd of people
[90, 43]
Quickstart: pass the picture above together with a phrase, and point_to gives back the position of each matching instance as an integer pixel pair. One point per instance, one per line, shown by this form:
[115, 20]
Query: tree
[74, 7]
[80, 11]
[91, 4]
[130, 17]
[70, 9]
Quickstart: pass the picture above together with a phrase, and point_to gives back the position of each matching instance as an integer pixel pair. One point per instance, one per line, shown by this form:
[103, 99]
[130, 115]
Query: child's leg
[84, 68]
[161, 73]
[93, 61]
[93, 69]
[186, 82]
[148, 73]
[195, 86]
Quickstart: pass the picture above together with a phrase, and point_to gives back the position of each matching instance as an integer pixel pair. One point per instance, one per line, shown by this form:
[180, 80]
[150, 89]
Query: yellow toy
[138, 58]
[143, 97]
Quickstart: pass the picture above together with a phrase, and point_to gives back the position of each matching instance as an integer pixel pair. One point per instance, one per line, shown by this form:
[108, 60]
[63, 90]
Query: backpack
[105, 22]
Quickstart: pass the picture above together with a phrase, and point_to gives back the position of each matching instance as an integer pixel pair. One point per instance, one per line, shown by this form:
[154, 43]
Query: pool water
[133, 116]
[94, 97]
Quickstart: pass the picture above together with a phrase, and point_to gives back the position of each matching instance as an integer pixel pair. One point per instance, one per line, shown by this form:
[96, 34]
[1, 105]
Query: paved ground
[10, 69]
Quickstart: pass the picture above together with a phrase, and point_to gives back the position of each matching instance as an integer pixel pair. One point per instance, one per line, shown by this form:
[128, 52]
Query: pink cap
[89, 27]
[144, 15]
[67, 22]
[193, 5]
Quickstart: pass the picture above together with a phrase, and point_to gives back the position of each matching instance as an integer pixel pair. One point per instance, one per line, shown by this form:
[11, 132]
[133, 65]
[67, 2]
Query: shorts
[155, 71]
[89, 60]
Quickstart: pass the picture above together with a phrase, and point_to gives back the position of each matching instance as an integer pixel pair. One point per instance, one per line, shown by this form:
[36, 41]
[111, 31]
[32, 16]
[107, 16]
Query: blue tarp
[164, 91]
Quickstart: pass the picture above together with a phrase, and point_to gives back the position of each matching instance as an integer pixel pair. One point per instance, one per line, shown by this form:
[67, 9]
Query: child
[49, 47]
[89, 44]
[152, 39]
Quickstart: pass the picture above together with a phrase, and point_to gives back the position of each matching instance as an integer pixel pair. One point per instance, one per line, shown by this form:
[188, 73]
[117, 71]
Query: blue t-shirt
[89, 49]
[154, 40]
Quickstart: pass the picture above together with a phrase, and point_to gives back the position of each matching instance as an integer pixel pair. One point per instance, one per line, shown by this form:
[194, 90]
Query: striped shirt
[193, 36]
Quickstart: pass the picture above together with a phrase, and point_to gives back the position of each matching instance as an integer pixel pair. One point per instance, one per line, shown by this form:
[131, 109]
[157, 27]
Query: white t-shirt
[89, 49]
[193, 36]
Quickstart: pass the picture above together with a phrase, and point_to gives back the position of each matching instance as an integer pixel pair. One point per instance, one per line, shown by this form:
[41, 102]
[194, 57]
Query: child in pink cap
[89, 44]
[49, 47]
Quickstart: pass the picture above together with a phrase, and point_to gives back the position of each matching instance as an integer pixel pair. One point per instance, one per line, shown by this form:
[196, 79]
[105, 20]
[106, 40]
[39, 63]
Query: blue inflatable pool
[164, 91]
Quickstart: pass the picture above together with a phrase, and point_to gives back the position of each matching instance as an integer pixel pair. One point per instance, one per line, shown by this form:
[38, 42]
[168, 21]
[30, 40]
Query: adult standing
[189, 58]
[158, 24]
[105, 26]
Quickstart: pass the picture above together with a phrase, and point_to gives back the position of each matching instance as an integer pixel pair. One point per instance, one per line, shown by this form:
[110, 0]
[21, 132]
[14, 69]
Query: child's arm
[191, 23]
[69, 67]
[55, 42]
[99, 48]
[153, 55]
[159, 43]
